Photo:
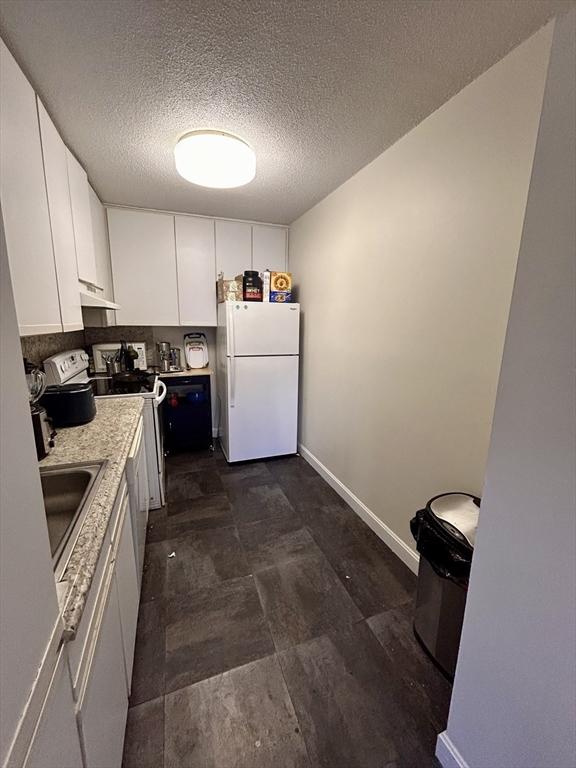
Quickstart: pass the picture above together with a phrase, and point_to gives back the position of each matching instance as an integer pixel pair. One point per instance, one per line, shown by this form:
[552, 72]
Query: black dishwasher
[187, 413]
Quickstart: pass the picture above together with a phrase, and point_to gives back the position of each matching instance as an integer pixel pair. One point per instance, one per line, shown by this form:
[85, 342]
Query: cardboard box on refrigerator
[281, 287]
[228, 290]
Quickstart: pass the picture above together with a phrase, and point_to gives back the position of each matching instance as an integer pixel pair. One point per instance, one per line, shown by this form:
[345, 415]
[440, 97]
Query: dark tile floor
[279, 633]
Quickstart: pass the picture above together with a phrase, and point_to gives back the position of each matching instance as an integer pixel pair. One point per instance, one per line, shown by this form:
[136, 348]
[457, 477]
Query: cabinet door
[268, 248]
[143, 267]
[127, 586]
[233, 248]
[82, 220]
[56, 740]
[107, 317]
[56, 173]
[24, 204]
[104, 702]
[196, 261]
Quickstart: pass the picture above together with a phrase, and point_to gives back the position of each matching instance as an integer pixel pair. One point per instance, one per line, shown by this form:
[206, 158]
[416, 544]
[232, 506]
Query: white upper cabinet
[82, 220]
[143, 255]
[24, 204]
[233, 248]
[93, 316]
[101, 245]
[269, 248]
[196, 261]
[56, 173]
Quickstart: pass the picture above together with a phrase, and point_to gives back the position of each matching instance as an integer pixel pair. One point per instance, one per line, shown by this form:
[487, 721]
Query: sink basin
[67, 490]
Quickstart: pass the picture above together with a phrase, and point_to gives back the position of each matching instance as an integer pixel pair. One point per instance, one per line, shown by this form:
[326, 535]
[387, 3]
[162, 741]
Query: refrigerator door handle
[232, 333]
[232, 340]
[232, 382]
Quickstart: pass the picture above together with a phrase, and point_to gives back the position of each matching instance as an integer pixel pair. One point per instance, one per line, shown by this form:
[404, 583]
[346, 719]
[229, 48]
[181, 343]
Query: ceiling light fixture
[215, 159]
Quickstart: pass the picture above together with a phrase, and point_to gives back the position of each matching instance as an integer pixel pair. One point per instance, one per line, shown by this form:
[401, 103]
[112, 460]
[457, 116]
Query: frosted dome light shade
[215, 159]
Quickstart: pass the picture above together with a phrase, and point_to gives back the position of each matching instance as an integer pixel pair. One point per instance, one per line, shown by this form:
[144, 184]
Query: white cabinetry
[144, 267]
[137, 476]
[233, 247]
[269, 248]
[82, 219]
[165, 266]
[241, 246]
[55, 740]
[56, 174]
[24, 204]
[102, 653]
[128, 592]
[103, 705]
[95, 317]
[196, 261]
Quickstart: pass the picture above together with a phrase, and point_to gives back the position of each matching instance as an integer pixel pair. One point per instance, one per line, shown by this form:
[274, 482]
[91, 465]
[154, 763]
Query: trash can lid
[458, 512]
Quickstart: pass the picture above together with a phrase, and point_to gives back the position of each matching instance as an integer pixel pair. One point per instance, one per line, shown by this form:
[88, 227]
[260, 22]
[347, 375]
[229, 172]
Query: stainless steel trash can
[445, 533]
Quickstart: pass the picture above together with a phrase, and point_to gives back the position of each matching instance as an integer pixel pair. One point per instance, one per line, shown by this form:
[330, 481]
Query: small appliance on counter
[43, 431]
[69, 405]
[164, 355]
[196, 350]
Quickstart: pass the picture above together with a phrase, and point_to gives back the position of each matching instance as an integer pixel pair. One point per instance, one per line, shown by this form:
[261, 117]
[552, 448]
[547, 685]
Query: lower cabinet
[103, 707]
[128, 591]
[56, 741]
[138, 489]
[83, 716]
[103, 697]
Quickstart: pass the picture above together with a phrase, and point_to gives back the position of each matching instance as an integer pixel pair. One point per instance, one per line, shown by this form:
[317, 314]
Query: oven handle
[163, 390]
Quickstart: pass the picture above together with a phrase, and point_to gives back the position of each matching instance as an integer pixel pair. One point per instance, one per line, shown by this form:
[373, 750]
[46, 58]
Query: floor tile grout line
[263, 609]
[302, 734]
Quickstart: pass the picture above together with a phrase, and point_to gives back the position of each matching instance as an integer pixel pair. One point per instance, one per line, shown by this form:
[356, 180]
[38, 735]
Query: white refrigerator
[257, 378]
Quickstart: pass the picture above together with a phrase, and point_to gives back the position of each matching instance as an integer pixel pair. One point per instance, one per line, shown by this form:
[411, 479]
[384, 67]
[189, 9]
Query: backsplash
[143, 333]
[38, 348]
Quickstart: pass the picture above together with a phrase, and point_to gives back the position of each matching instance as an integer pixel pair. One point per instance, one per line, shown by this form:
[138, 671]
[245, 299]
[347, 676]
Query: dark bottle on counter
[123, 357]
[131, 357]
[252, 286]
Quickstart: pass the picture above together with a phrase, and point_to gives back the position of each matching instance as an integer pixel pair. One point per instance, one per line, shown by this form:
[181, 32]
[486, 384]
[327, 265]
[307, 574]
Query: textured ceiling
[318, 87]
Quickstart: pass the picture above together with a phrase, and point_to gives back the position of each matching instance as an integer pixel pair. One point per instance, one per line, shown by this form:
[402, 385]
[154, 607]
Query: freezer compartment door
[262, 407]
[262, 328]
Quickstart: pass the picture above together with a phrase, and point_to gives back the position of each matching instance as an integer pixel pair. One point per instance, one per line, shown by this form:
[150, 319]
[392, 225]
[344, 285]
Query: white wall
[514, 699]
[28, 605]
[405, 275]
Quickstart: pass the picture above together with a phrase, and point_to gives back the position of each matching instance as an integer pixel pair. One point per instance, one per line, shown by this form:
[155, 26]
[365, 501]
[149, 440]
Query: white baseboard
[391, 539]
[447, 754]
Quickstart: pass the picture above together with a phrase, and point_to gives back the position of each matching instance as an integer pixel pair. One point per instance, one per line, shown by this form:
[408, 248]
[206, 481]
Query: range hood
[89, 299]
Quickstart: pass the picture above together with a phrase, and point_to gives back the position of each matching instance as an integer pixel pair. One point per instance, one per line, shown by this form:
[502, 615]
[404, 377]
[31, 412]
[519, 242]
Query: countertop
[191, 372]
[109, 436]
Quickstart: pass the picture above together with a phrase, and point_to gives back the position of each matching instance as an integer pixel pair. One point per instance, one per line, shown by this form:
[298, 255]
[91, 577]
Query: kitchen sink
[68, 490]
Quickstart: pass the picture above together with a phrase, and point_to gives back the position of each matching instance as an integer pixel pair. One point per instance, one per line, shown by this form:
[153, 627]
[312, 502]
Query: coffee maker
[43, 431]
[165, 355]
